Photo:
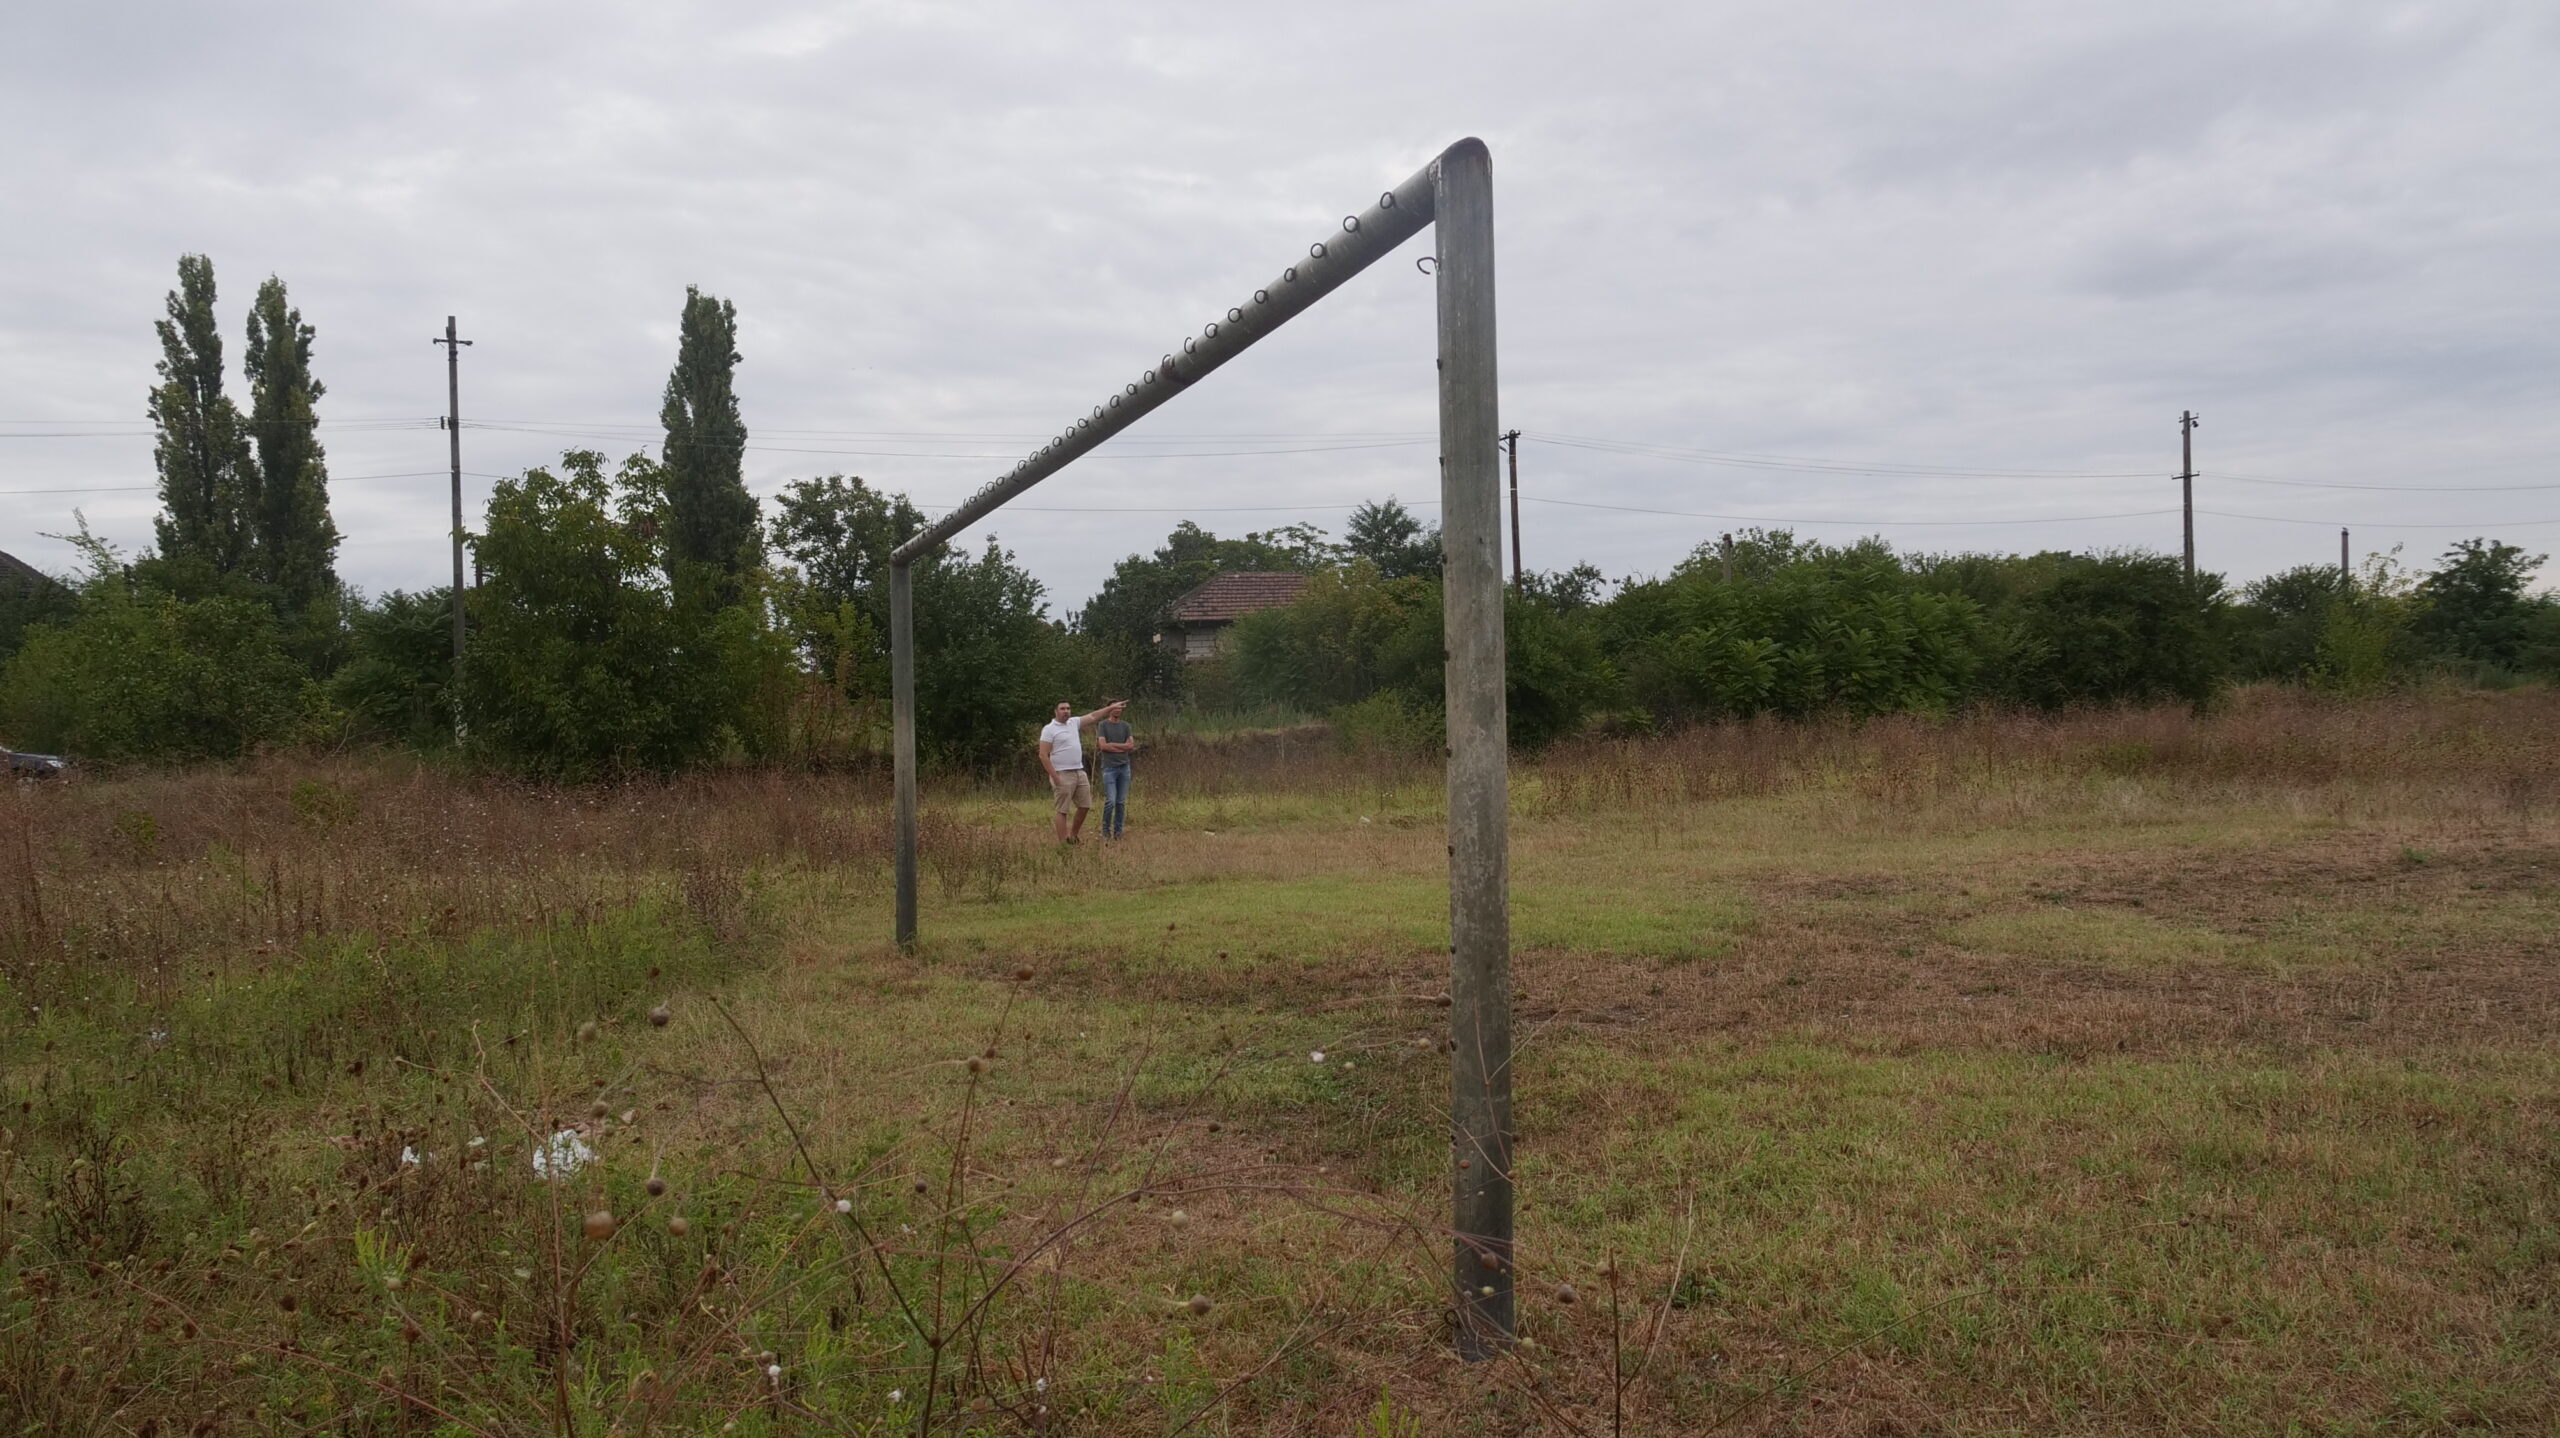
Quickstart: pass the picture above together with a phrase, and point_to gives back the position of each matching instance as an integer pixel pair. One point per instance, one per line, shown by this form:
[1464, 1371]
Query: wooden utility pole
[453, 344]
[2187, 423]
[1724, 552]
[2346, 566]
[1511, 442]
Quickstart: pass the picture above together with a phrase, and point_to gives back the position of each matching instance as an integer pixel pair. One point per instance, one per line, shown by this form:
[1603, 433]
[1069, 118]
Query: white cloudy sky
[1969, 259]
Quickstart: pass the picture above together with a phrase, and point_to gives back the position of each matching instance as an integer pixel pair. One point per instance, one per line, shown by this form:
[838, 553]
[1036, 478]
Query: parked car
[35, 766]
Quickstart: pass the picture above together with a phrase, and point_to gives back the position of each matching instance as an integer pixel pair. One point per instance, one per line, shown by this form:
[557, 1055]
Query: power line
[1798, 463]
[333, 479]
[2396, 488]
[1278, 442]
[2384, 523]
[1878, 523]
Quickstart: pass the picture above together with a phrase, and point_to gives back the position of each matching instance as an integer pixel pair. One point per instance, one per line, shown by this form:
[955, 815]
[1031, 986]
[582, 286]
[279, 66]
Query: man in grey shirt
[1117, 742]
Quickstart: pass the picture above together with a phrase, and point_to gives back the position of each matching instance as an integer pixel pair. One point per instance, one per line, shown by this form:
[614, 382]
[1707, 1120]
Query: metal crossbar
[1453, 194]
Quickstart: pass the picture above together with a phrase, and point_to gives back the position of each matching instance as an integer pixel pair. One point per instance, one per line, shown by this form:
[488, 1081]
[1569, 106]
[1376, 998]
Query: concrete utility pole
[1724, 552]
[1479, 753]
[2346, 566]
[1511, 442]
[453, 344]
[2187, 423]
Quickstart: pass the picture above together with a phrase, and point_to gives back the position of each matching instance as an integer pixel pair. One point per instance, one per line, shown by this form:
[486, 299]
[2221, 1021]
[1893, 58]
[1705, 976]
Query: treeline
[650, 615]
[1765, 623]
[639, 617]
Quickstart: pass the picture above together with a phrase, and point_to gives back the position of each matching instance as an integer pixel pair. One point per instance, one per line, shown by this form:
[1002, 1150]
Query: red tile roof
[1233, 596]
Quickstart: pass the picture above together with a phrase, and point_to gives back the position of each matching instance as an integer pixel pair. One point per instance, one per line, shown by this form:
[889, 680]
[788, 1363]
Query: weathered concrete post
[902, 737]
[1479, 757]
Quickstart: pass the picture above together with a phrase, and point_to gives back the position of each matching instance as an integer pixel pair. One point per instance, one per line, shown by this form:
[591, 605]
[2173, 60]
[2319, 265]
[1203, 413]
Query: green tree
[585, 660]
[208, 479]
[1387, 535]
[142, 675]
[294, 545]
[1335, 645]
[711, 518]
[2473, 608]
[2279, 624]
[1125, 617]
[394, 686]
[2111, 628]
[838, 532]
[1801, 629]
[989, 662]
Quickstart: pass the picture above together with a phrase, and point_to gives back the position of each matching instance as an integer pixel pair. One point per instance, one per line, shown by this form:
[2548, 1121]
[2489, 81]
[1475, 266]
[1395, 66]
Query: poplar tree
[295, 543]
[711, 517]
[208, 479]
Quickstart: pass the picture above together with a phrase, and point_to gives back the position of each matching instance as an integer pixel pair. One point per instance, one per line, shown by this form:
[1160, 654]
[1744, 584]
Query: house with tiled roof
[19, 577]
[1199, 621]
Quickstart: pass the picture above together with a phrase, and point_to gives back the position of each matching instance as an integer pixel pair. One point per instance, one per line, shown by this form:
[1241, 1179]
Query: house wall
[1202, 641]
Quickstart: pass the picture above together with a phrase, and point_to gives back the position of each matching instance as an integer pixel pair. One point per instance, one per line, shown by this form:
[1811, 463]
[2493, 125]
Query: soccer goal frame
[1453, 195]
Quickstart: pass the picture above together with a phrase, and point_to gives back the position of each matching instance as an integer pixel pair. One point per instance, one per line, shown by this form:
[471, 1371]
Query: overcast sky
[1945, 273]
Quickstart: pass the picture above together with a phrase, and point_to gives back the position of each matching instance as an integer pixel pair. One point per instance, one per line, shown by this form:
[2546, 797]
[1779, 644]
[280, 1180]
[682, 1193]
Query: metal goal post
[1453, 194]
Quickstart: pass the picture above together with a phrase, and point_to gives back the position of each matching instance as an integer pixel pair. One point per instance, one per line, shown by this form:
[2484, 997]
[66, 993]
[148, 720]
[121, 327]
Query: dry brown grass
[2115, 1071]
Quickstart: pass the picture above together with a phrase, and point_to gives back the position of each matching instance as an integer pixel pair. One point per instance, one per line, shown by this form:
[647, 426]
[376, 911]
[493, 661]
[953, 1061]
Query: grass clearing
[2116, 1073]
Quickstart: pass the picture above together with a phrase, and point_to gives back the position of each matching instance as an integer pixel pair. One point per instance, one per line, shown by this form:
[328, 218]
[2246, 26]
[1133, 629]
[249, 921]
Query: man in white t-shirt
[1062, 755]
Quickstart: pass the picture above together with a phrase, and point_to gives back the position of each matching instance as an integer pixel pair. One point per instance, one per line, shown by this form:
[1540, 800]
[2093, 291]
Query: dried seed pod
[657, 1186]
[1566, 1296]
[660, 1017]
[678, 1226]
[1200, 1305]
[601, 1225]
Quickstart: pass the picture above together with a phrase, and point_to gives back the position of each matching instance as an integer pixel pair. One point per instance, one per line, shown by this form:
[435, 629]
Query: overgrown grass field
[2115, 1072]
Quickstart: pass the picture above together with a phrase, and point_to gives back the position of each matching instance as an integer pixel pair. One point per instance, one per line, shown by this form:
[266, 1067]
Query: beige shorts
[1073, 790]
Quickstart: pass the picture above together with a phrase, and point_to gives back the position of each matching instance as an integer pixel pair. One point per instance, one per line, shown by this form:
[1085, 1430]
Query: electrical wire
[1798, 463]
[2472, 524]
[1244, 445]
[1868, 523]
[333, 479]
[2396, 488]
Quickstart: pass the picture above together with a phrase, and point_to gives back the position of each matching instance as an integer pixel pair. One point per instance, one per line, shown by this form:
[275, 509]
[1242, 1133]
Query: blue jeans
[1115, 800]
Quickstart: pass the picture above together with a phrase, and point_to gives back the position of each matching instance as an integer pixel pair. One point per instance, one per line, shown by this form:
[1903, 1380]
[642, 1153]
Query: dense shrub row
[1774, 625]
[587, 660]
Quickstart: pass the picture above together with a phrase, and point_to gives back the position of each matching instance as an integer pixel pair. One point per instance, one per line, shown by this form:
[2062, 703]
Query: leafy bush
[397, 685]
[1800, 629]
[585, 660]
[1368, 648]
[2473, 609]
[142, 676]
[2120, 628]
[1338, 642]
[989, 662]
[1124, 619]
